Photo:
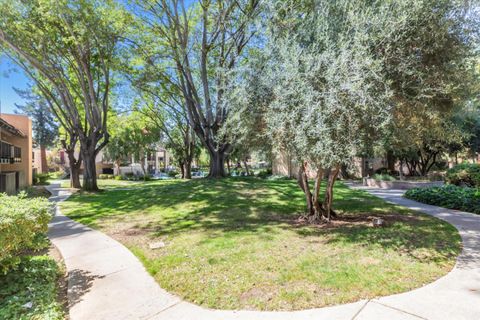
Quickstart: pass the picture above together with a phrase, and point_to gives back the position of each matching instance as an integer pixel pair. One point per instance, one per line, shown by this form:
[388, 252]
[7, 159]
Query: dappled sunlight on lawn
[237, 243]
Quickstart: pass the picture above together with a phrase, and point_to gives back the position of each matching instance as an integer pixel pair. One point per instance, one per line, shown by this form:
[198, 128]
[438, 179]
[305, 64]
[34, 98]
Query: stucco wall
[24, 124]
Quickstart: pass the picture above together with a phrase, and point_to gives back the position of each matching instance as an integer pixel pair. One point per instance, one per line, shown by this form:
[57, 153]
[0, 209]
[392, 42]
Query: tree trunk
[303, 183]
[228, 166]
[327, 203]
[401, 170]
[117, 164]
[315, 212]
[74, 168]
[43, 159]
[89, 170]
[390, 161]
[181, 165]
[188, 169]
[142, 165]
[246, 167]
[217, 167]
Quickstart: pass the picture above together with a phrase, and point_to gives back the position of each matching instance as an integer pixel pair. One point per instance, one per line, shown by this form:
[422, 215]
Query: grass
[31, 290]
[237, 243]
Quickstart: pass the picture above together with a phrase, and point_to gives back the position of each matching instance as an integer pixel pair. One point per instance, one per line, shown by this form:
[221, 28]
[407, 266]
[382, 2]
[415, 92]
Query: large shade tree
[68, 48]
[193, 46]
[430, 67]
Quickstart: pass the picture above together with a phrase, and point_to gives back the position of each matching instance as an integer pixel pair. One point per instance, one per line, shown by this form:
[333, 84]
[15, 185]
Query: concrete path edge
[106, 281]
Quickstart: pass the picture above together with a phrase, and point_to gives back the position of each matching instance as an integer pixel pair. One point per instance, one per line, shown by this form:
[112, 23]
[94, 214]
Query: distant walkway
[106, 281]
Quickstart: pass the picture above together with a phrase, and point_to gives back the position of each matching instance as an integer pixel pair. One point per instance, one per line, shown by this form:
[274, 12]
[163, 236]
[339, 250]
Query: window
[5, 152]
[9, 153]
[17, 154]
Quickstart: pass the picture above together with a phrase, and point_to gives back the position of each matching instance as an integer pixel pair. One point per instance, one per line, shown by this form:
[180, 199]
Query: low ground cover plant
[383, 177]
[464, 174]
[41, 178]
[23, 224]
[448, 196]
[30, 290]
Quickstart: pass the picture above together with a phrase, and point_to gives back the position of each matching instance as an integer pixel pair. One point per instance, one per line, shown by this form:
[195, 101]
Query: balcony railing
[10, 153]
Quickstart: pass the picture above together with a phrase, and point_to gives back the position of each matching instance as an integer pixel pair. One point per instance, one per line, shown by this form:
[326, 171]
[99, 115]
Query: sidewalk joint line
[400, 310]
[164, 309]
[360, 310]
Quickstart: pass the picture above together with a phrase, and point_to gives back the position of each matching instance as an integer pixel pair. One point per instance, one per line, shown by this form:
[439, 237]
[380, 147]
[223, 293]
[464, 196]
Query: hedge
[41, 178]
[448, 196]
[23, 224]
[464, 174]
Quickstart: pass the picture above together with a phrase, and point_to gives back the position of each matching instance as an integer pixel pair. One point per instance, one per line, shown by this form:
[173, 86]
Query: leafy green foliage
[23, 223]
[33, 281]
[448, 196]
[383, 177]
[44, 125]
[264, 173]
[106, 176]
[464, 174]
[41, 178]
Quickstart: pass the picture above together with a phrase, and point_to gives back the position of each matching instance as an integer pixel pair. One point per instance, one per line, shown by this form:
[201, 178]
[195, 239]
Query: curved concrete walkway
[106, 281]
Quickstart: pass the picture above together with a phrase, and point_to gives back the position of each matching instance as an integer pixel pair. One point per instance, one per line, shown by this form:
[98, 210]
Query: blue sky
[10, 76]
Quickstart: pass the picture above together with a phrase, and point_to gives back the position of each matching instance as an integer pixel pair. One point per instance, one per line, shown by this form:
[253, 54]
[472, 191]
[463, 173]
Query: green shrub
[464, 174]
[33, 281]
[106, 176]
[172, 174]
[118, 178]
[23, 224]
[383, 177]
[278, 177]
[448, 196]
[41, 178]
[264, 173]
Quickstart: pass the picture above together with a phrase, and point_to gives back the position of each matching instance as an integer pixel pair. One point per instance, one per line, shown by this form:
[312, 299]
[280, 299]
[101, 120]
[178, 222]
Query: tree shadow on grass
[248, 205]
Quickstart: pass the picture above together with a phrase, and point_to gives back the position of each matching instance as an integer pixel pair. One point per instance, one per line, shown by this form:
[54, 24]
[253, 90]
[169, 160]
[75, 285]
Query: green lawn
[237, 243]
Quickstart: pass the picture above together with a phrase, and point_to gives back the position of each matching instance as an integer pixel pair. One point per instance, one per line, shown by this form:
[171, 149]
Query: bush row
[40, 178]
[23, 224]
[464, 174]
[448, 196]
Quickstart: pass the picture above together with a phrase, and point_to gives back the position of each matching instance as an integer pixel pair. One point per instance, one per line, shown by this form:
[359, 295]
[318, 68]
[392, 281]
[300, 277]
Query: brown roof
[4, 125]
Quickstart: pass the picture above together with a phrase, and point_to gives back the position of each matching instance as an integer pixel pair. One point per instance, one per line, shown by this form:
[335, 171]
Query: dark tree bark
[327, 202]
[229, 166]
[246, 167]
[181, 165]
[188, 169]
[316, 211]
[89, 168]
[75, 164]
[390, 161]
[217, 164]
[43, 159]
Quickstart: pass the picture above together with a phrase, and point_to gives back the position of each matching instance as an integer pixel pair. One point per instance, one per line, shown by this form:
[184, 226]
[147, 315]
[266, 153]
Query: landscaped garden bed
[29, 275]
[238, 243]
[448, 196]
[461, 193]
